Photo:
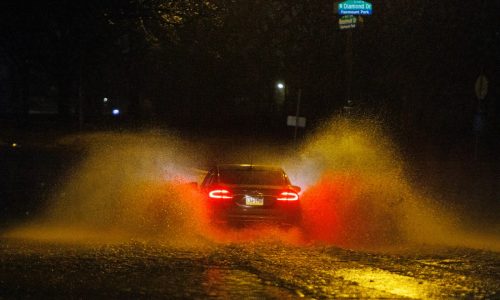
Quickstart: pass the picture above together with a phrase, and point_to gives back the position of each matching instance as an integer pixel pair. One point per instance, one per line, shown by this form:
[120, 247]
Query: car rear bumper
[241, 215]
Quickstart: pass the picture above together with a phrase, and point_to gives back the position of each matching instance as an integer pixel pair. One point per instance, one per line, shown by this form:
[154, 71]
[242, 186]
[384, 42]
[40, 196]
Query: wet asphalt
[36, 269]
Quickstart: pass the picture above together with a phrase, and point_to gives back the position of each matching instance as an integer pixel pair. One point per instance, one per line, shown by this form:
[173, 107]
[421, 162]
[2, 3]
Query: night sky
[215, 64]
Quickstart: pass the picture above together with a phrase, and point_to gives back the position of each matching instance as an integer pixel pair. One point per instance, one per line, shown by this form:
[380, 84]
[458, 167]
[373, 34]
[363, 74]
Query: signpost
[292, 121]
[347, 22]
[354, 7]
[351, 12]
[296, 121]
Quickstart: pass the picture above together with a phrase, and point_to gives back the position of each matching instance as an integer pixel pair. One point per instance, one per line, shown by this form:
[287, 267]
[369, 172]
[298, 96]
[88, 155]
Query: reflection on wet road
[250, 270]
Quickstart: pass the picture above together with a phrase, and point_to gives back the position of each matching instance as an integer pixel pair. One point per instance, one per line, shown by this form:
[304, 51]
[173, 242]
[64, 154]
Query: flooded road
[114, 215]
[246, 270]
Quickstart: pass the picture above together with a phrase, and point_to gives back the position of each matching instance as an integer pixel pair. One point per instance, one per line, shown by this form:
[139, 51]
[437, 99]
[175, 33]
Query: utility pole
[81, 101]
[297, 115]
[481, 89]
[80, 96]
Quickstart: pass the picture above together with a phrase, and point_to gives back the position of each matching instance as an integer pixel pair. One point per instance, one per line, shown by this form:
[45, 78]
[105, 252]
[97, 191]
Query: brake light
[220, 194]
[288, 196]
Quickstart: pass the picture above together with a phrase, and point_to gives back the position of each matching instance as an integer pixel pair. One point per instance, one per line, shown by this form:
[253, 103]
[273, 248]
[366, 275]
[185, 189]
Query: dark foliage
[414, 62]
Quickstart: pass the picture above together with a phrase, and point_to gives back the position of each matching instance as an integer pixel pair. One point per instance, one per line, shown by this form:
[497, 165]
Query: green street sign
[354, 7]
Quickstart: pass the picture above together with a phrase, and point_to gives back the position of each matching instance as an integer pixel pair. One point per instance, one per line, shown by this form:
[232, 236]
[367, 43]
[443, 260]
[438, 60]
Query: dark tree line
[414, 62]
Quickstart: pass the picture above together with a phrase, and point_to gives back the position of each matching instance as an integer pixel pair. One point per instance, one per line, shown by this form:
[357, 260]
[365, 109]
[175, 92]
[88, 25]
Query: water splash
[133, 186]
[127, 186]
[357, 193]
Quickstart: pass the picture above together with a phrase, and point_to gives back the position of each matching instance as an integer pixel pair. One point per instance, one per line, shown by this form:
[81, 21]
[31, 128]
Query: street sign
[292, 121]
[481, 87]
[347, 22]
[354, 7]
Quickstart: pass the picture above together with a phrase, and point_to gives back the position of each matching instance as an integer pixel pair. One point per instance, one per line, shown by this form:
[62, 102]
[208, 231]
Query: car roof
[248, 167]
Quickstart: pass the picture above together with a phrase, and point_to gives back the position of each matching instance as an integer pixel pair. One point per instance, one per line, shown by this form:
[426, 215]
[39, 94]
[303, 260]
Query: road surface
[266, 270]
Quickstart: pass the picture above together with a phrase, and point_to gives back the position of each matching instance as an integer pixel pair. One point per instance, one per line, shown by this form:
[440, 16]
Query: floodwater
[356, 192]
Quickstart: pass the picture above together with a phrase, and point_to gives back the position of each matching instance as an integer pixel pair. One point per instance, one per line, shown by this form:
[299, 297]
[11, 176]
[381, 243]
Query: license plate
[254, 201]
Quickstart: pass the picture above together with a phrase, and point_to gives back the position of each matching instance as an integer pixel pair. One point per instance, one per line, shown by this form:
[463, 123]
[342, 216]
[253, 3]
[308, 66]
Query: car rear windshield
[252, 177]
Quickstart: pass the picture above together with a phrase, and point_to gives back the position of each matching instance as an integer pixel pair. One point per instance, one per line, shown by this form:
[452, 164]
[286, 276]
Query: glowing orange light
[220, 194]
[288, 196]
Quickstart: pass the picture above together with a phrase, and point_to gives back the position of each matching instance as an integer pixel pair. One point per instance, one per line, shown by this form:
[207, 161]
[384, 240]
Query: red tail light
[288, 196]
[220, 194]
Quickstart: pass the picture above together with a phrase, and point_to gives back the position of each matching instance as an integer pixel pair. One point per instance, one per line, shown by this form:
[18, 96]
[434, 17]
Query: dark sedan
[248, 194]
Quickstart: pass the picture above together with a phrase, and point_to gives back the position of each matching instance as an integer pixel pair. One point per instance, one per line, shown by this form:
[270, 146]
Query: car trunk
[256, 196]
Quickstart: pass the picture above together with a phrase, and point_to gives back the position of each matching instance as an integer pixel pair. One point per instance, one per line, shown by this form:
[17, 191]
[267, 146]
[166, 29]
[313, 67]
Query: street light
[279, 94]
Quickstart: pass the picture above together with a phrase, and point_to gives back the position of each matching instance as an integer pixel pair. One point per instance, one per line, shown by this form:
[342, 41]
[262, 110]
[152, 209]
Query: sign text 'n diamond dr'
[354, 7]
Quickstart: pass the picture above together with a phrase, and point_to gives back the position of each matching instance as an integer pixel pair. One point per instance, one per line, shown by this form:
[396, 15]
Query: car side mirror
[296, 188]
